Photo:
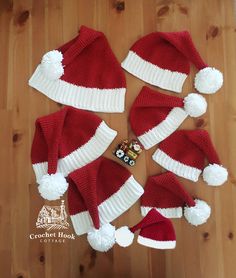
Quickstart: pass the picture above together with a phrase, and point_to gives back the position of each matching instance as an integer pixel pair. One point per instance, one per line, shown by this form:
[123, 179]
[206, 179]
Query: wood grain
[29, 28]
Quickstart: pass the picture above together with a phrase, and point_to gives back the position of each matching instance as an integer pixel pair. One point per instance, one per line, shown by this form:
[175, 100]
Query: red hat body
[165, 193]
[156, 60]
[154, 116]
[184, 153]
[67, 140]
[161, 52]
[162, 59]
[91, 76]
[100, 192]
[156, 231]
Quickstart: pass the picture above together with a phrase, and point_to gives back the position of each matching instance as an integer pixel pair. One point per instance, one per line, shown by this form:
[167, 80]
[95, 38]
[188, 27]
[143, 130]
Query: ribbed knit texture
[90, 69]
[165, 56]
[47, 139]
[92, 61]
[172, 51]
[94, 184]
[65, 132]
[165, 191]
[190, 147]
[150, 108]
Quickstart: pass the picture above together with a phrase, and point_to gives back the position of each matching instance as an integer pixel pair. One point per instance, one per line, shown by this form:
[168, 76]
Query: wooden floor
[30, 28]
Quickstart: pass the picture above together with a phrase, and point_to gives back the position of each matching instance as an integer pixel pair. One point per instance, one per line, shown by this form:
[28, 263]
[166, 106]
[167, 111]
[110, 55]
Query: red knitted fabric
[165, 191]
[150, 108]
[171, 51]
[156, 227]
[101, 191]
[83, 73]
[88, 61]
[60, 133]
[67, 140]
[95, 182]
[190, 147]
[163, 60]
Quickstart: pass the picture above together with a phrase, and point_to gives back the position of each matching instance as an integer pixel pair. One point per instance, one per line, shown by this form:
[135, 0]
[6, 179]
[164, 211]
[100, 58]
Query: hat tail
[101, 237]
[183, 42]
[88, 191]
[177, 189]
[54, 61]
[51, 128]
[208, 80]
[214, 174]
[85, 37]
[48, 133]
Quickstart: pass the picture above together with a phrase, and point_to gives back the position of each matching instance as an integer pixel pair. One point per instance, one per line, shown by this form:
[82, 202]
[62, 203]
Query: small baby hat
[184, 153]
[163, 59]
[154, 116]
[156, 231]
[83, 73]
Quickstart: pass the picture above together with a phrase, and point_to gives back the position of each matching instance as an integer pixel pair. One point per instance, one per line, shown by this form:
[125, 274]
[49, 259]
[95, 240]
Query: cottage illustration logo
[52, 217]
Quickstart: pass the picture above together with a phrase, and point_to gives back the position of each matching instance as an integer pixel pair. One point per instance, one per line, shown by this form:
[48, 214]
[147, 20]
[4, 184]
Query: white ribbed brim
[85, 154]
[167, 212]
[168, 244]
[93, 99]
[152, 74]
[161, 131]
[111, 208]
[176, 167]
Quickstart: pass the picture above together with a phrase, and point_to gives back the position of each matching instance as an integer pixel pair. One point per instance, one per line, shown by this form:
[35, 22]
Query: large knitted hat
[98, 193]
[63, 142]
[154, 116]
[184, 153]
[156, 231]
[83, 73]
[162, 59]
[166, 194]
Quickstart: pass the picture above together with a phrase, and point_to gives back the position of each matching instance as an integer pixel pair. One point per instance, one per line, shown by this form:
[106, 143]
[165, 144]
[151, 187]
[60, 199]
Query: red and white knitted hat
[98, 193]
[166, 194]
[83, 73]
[154, 116]
[184, 153]
[156, 231]
[162, 59]
[63, 142]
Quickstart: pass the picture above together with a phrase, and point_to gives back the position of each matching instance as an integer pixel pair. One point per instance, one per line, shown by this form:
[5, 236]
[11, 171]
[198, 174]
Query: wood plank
[30, 28]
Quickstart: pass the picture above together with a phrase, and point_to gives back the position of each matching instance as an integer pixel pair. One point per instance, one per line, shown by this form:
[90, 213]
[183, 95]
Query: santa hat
[156, 231]
[154, 116]
[83, 73]
[184, 153]
[166, 194]
[63, 142]
[98, 193]
[162, 59]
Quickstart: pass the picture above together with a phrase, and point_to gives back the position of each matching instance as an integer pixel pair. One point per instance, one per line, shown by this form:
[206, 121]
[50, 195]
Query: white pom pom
[215, 174]
[124, 237]
[52, 187]
[208, 80]
[198, 214]
[51, 65]
[102, 239]
[195, 105]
